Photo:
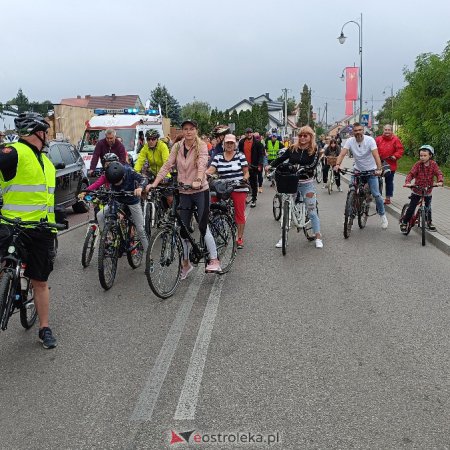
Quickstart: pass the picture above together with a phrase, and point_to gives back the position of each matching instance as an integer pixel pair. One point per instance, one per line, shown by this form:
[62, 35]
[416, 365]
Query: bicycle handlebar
[421, 188]
[36, 224]
[359, 173]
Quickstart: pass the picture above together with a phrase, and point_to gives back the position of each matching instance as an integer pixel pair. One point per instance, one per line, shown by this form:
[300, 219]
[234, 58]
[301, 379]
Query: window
[67, 154]
[55, 155]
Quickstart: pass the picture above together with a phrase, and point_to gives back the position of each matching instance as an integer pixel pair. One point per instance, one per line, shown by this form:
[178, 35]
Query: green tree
[234, 118]
[291, 104]
[305, 116]
[422, 107]
[21, 100]
[169, 105]
[263, 125]
[199, 111]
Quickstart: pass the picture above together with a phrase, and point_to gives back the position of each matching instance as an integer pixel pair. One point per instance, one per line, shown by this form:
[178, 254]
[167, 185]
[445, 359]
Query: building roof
[271, 104]
[106, 101]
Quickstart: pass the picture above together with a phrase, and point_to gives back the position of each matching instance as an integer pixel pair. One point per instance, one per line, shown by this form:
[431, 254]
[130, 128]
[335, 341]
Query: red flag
[349, 107]
[351, 85]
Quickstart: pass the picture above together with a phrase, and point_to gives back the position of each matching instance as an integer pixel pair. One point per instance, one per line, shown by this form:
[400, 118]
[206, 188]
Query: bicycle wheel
[108, 254]
[409, 224]
[276, 206]
[28, 313]
[318, 173]
[363, 213]
[224, 233]
[423, 222]
[135, 253]
[348, 215]
[308, 228]
[285, 226]
[88, 246]
[149, 218]
[5, 298]
[330, 181]
[163, 262]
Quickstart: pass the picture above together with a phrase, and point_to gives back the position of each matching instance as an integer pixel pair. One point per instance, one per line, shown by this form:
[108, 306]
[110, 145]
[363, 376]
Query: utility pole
[326, 114]
[285, 112]
[309, 106]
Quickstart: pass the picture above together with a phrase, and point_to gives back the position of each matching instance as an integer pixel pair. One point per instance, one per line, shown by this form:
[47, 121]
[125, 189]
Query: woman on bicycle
[232, 166]
[305, 154]
[190, 156]
[122, 178]
[333, 150]
[423, 173]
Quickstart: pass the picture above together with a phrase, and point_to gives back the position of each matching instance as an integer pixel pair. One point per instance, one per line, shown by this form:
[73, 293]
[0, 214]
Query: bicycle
[155, 210]
[92, 233]
[276, 202]
[16, 290]
[119, 236]
[358, 200]
[420, 215]
[294, 207]
[331, 162]
[318, 172]
[165, 252]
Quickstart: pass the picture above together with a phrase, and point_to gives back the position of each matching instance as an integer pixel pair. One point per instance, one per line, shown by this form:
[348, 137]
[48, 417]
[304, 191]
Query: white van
[128, 124]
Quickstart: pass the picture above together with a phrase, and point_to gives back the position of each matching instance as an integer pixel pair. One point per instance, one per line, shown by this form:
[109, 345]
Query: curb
[73, 228]
[434, 238]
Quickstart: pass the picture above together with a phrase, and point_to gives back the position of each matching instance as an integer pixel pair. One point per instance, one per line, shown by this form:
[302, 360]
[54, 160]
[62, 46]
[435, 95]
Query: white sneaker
[319, 243]
[384, 221]
[324, 186]
[339, 189]
[279, 244]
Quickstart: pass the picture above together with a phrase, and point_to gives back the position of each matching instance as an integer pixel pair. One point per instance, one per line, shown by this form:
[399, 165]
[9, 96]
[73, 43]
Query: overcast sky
[219, 52]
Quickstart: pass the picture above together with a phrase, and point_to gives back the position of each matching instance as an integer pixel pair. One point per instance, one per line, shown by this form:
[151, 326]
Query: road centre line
[188, 399]
[146, 403]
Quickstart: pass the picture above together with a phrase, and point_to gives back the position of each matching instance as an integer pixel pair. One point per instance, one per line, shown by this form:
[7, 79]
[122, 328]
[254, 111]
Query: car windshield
[91, 137]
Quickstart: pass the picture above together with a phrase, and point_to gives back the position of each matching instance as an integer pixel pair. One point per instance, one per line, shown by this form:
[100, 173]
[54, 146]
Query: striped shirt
[231, 170]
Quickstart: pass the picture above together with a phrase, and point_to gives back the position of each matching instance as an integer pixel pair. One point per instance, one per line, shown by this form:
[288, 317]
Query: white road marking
[149, 396]
[187, 402]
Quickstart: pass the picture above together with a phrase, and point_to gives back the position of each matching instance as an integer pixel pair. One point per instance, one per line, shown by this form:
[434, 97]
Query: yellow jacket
[156, 157]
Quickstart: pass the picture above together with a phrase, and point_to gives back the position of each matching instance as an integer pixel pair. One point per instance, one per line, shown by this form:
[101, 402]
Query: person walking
[391, 150]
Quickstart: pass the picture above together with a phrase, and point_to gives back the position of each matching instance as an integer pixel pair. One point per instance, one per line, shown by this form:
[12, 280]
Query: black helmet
[114, 172]
[152, 134]
[110, 157]
[221, 130]
[29, 123]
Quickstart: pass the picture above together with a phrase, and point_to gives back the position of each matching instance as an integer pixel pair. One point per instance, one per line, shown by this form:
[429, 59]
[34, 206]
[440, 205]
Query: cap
[191, 121]
[230, 138]
[248, 130]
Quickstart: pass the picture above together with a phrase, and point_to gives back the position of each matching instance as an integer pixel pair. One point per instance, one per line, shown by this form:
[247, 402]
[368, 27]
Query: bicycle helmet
[114, 172]
[110, 157]
[221, 130]
[429, 148]
[28, 123]
[152, 134]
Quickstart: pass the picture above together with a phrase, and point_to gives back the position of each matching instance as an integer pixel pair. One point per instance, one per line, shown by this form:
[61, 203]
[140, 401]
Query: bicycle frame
[300, 220]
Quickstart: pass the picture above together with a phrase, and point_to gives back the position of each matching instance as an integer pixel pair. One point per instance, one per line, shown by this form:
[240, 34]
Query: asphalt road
[343, 347]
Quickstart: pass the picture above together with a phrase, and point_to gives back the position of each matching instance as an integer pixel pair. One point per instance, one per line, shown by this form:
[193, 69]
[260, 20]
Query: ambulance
[130, 124]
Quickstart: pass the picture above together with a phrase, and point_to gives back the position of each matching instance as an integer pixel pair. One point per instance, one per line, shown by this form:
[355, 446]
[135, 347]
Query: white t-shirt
[362, 152]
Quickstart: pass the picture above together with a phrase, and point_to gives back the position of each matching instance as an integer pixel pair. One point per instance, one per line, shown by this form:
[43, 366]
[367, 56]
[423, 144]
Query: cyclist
[305, 154]
[155, 152]
[122, 178]
[333, 150]
[365, 153]
[232, 166]
[423, 173]
[190, 155]
[28, 180]
[110, 144]
[219, 132]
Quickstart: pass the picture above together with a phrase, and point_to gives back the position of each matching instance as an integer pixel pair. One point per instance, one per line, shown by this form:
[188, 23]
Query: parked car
[71, 178]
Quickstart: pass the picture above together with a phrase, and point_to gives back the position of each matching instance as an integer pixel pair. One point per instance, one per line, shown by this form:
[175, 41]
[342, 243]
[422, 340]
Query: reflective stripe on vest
[30, 194]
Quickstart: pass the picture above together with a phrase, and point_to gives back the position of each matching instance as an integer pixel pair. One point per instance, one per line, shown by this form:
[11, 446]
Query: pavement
[440, 209]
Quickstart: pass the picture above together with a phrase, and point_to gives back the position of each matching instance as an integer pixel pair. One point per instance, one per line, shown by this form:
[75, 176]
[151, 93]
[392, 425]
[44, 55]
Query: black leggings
[337, 175]
[187, 202]
[413, 202]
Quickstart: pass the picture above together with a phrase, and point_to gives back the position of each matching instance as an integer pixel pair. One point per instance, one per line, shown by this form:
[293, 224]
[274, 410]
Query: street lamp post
[341, 40]
[392, 101]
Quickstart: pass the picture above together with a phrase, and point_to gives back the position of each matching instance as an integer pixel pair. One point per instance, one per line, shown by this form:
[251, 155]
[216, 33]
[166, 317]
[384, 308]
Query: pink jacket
[98, 183]
[188, 168]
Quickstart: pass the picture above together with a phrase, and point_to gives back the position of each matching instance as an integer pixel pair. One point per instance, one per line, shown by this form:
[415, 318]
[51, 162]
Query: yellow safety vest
[30, 195]
[272, 150]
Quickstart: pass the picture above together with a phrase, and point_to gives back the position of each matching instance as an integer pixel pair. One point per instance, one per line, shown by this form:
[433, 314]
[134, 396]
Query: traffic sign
[364, 119]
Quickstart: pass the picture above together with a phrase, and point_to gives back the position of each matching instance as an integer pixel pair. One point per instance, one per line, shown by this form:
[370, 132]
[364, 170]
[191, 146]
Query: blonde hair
[196, 146]
[312, 145]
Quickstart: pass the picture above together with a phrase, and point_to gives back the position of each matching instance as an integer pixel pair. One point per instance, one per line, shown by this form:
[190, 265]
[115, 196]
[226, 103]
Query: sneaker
[213, 266]
[247, 201]
[431, 227]
[387, 201]
[384, 221]
[339, 189]
[279, 244]
[324, 186]
[319, 243]
[186, 270]
[252, 203]
[260, 190]
[403, 227]
[240, 243]
[47, 338]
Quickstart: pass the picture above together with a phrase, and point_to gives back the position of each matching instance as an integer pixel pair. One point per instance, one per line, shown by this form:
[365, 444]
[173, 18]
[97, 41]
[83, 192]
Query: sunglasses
[303, 135]
[151, 139]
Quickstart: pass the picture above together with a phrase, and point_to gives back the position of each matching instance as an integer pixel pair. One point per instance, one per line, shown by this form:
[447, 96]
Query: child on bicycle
[423, 172]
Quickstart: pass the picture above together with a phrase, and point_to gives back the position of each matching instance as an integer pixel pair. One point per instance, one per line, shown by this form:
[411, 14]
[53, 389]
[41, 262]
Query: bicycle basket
[222, 189]
[331, 160]
[287, 183]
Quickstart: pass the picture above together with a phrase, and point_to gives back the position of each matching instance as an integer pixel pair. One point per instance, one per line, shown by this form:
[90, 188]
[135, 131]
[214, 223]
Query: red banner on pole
[349, 107]
[351, 85]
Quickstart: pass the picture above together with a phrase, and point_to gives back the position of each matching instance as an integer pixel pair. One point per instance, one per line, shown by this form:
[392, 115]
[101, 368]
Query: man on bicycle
[365, 153]
[28, 179]
[155, 152]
